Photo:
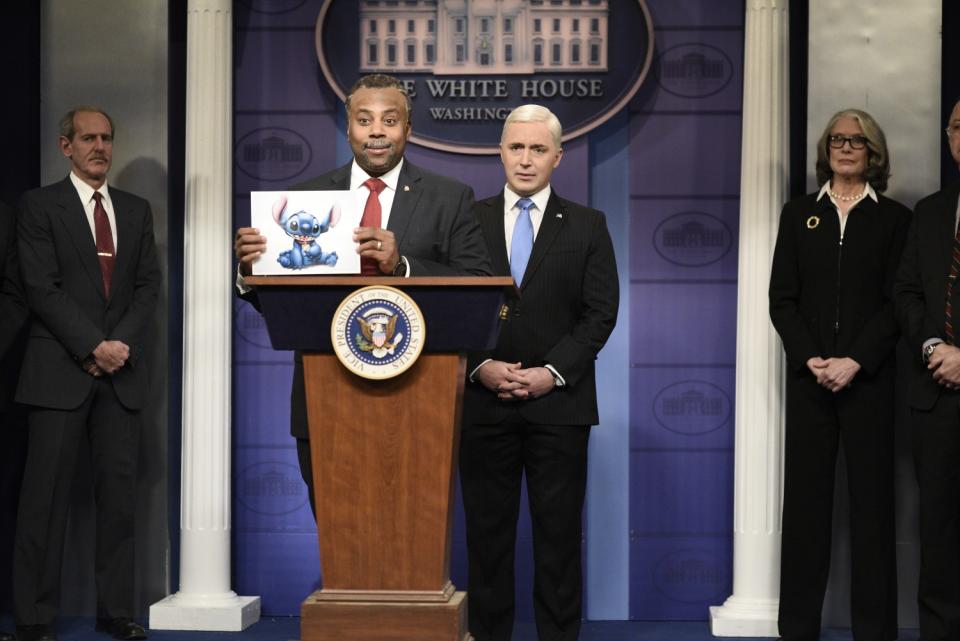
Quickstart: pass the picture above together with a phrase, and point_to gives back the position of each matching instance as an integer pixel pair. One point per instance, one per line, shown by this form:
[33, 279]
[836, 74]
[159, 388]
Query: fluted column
[758, 476]
[205, 600]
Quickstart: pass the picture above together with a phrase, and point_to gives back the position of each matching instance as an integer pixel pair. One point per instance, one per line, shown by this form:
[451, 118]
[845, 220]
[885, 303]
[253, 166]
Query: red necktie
[104, 241]
[371, 218]
[951, 283]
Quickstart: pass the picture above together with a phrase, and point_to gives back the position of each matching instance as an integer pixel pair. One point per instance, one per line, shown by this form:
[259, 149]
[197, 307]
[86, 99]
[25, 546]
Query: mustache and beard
[381, 164]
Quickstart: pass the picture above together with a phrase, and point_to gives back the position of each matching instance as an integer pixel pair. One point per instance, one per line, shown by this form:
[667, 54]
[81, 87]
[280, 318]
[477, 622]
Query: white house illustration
[483, 36]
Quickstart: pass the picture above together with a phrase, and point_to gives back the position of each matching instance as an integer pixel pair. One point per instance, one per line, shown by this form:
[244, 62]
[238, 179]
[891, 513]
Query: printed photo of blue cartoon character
[305, 230]
[308, 232]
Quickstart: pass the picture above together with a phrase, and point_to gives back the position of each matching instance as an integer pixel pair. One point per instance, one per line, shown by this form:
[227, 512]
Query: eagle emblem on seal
[378, 334]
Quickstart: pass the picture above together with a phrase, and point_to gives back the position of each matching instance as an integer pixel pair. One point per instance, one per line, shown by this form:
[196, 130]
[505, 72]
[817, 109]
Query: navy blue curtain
[21, 115]
[950, 82]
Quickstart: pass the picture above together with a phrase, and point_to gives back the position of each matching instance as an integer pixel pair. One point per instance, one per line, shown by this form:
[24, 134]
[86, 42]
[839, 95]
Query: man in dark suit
[926, 296]
[90, 274]
[13, 322]
[415, 223]
[530, 402]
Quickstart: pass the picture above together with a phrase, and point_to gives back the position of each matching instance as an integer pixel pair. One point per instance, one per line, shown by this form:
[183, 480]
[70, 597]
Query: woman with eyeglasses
[831, 302]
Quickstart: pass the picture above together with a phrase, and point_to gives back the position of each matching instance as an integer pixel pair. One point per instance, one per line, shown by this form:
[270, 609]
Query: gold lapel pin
[813, 222]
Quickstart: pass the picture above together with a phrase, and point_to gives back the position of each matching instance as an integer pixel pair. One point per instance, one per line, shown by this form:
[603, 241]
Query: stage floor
[288, 629]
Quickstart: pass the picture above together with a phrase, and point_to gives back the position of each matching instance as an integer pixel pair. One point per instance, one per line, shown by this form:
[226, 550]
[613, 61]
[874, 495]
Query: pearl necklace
[847, 199]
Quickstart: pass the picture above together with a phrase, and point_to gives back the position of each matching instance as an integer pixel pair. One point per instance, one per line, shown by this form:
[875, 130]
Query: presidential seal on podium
[377, 332]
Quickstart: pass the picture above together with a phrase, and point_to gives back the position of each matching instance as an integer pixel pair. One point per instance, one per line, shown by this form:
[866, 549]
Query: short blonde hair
[535, 113]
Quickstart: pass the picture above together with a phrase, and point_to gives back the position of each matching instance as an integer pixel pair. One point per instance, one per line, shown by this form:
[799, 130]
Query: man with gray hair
[89, 268]
[530, 402]
[926, 297]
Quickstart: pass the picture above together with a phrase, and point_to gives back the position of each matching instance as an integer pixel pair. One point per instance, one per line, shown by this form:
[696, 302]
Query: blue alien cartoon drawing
[305, 229]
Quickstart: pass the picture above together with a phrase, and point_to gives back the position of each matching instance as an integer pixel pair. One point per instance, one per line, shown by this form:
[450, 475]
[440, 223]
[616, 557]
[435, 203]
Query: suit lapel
[947, 230]
[550, 226]
[74, 220]
[491, 224]
[340, 179]
[124, 215]
[404, 201]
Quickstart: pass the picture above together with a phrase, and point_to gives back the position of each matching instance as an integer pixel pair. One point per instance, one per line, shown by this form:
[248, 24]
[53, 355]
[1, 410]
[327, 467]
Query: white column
[205, 600]
[758, 478]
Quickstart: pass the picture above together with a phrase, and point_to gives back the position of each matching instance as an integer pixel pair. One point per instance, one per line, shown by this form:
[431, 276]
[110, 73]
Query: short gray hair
[68, 128]
[536, 113]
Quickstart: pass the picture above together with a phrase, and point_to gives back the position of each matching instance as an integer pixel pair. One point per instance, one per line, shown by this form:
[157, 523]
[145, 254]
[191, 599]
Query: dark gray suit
[71, 316]
[567, 308]
[435, 229]
[920, 294]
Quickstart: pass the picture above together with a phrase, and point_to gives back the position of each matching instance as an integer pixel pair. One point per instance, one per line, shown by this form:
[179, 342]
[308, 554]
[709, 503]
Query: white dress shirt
[868, 192]
[511, 212]
[85, 192]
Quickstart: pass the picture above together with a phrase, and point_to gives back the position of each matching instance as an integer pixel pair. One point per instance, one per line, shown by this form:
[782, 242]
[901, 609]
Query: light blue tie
[522, 243]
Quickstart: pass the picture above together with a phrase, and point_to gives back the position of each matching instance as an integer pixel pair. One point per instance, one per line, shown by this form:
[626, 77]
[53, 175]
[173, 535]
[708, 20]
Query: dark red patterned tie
[951, 279]
[105, 250]
[371, 218]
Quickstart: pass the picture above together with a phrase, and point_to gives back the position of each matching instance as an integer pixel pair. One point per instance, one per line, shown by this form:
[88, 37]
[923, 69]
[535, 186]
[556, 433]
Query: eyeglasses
[856, 142]
[953, 129]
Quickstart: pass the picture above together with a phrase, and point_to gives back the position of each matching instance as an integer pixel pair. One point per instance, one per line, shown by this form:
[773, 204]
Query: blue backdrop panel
[684, 155]
[677, 408]
[265, 416]
[694, 70]
[690, 324]
[299, 88]
[681, 492]
[685, 128]
[272, 14]
[684, 239]
[275, 151]
[283, 570]
[702, 14]
[678, 577]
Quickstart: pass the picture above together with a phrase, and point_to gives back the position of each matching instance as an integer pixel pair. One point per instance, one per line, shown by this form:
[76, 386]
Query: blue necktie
[522, 243]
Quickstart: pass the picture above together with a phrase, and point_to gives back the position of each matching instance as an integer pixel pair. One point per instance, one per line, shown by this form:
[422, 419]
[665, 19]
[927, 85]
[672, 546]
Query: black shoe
[36, 633]
[121, 628]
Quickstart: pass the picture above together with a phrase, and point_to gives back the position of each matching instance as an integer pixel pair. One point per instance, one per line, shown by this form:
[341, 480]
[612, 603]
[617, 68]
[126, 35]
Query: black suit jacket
[830, 300]
[567, 308]
[13, 308]
[432, 220]
[921, 285]
[64, 288]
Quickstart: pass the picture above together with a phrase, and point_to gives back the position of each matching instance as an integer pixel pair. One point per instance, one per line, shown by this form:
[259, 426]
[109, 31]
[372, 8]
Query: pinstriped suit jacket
[567, 308]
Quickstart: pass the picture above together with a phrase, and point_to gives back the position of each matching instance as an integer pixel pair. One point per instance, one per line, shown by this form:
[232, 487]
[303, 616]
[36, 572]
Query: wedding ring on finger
[379, 245]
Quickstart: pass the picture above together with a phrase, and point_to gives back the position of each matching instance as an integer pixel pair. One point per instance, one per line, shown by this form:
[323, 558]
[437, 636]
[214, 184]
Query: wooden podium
[384, 456]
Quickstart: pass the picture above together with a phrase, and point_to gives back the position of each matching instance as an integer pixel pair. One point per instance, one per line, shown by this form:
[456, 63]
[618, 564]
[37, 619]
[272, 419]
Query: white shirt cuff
[477, 369]
[560, 382]
[241, 284]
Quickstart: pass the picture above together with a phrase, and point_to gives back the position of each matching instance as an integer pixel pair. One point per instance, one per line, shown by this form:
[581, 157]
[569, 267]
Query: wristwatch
[928, 351]
[402, 268]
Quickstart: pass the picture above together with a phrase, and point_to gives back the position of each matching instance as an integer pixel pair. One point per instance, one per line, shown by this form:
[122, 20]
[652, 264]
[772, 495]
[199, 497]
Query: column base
[179, 612]
[323, 620]
[739, 617]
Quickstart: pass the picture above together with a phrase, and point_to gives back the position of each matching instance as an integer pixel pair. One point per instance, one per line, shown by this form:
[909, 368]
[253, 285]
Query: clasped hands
[833, 373]
[944, 363]
[107, 358]
[512, 382]
[372, 242]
